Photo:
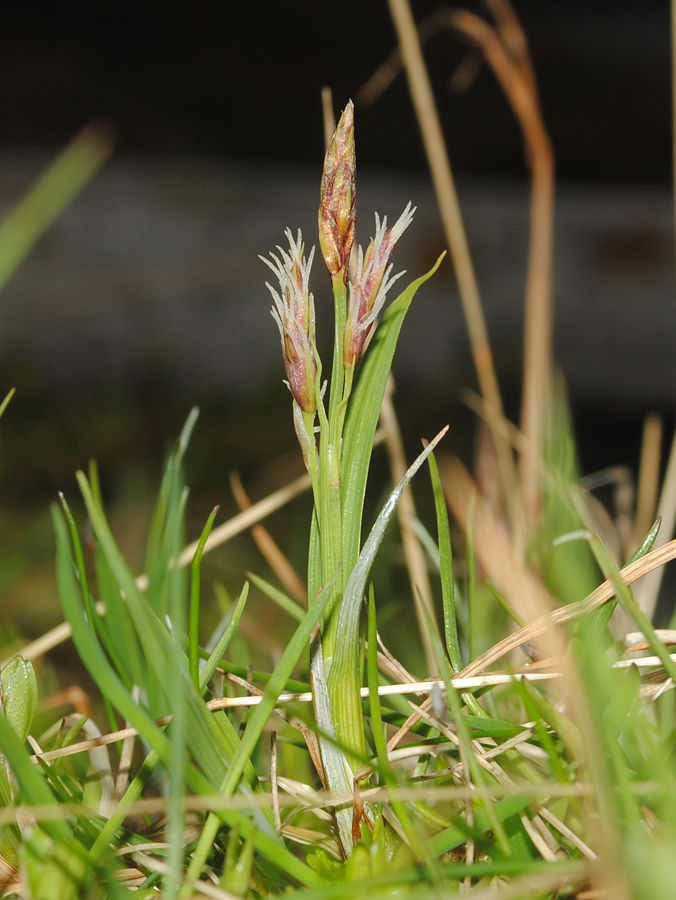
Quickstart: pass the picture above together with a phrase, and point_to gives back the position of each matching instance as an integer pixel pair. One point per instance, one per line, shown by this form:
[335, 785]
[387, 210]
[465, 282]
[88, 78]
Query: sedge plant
[335, 425]
[553, 779]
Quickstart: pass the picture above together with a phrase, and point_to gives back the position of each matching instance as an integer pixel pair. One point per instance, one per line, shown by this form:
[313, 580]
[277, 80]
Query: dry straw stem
[460, 683]
[673, 92]
[648, 477]
[506, 51]
[328, 115]
[442, 177]
[322, 798]
[647, 598]
[418, 687]
[494, 549]
[666, 509]
[631, 573]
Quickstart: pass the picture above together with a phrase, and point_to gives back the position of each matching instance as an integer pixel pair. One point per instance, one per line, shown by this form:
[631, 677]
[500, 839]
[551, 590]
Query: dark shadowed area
[147, 295]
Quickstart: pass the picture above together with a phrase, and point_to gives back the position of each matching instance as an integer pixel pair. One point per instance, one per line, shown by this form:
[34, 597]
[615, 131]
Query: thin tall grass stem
[449, 207]
[515, 76]
[194, 609]
[648, 477]
[666, 509]
[413, 552]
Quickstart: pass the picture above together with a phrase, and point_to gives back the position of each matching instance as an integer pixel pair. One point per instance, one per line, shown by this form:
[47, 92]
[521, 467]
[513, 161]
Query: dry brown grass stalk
[493, 544]
[294, 799]
[666, 509]
[648, 477]
[506, 50]
[449, 207]
[631, 573]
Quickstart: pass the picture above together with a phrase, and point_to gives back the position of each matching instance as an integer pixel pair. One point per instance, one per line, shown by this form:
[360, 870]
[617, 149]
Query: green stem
[347, 390]
[380, 741]
[254, 729]
[446, 569]
[193, 627]
[330, 512]
[338, 368]
[109, 832]
[313, 471]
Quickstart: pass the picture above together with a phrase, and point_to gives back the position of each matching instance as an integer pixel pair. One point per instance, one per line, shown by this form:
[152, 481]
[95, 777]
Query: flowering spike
[294, 313]
[371, 284]
[338, 203]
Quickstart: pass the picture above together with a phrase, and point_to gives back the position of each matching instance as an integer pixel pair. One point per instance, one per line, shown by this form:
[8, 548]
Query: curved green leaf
[363, 414]
[343, 678]
[19, 694]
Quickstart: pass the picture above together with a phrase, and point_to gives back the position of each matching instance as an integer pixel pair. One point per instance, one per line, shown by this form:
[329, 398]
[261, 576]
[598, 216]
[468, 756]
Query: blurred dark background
[243, 81]
[116, 325]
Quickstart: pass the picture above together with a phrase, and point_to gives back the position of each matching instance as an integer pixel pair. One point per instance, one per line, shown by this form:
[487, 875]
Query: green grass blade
[283, 601]
[379, 739]
[257, 721]
[120, 640]
[457, 834]
[193, 630]
[222, 645]
[133, 793]
[121, 652]
[292, 653]
[116, 628]
[34, 788]
[181, 698]
[87, 601]
[630, 606]
[90, 650]
[5, 402]
[157, 556]
[363, 413]
[19, 695]
[50, 195]
[343, 676]
[540, 710]
[466, 749]
[446, 568]
[603, 615]
[205, 738]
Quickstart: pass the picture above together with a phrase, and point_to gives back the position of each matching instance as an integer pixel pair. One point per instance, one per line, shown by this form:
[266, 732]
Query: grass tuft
[533, 756]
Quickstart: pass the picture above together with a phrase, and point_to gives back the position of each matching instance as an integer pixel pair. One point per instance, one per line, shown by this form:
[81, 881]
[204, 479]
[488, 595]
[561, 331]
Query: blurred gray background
[154, 271]
[149, 291]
